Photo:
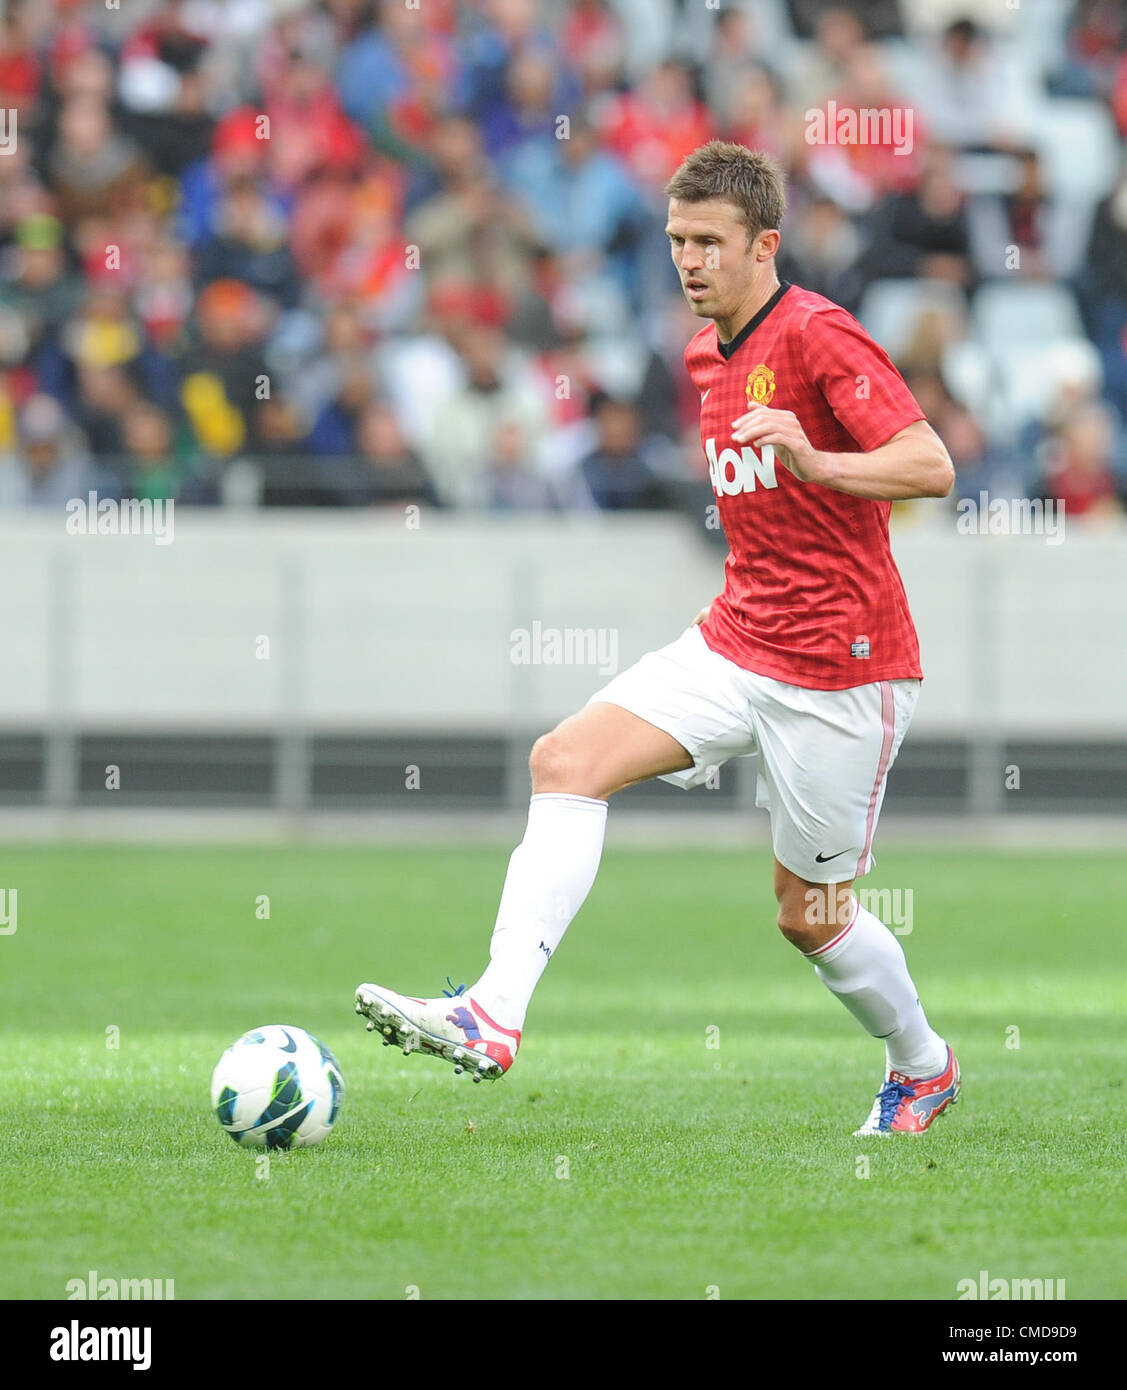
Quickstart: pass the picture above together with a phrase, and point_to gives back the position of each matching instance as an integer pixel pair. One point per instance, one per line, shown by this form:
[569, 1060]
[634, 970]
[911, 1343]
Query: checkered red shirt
[812, 595]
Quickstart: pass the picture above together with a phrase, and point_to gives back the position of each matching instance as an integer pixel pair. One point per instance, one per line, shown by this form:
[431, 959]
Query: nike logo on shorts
[825, 858]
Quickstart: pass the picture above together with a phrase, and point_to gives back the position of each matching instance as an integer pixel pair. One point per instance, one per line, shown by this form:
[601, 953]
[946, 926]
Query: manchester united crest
[760, 385]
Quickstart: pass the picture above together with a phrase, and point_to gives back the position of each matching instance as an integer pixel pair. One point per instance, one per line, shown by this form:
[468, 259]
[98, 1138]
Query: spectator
[239, 153]
[342, 346]
[510, 484]
[277, 428]
[582, 201]
[225, 371]
[499, 387]
[754, 113]
[1000, 223]
[164, 296]
[248, 243]
[20, 69]
[821, 70]
[92, 169]
[308, 129]
[1094, 51]
[36, 280]
[924, 232]
[529, 107]
[391, 473]
[152, 466]
[335, 427]
[591, 37]
[823, 252]
[966, 94]
[50, 465]
[102, 332]
[655, 126]
[877, 160]
[105, 396]
[381, 68]
[165, 91]
[1080, 464]
[615, 475]
[469, 230]
[1104, 289]
[348, 242]
[506, 28]
[729, 64]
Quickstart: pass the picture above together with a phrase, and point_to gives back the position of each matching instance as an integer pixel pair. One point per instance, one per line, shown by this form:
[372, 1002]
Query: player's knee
[554, 765]
[798, 922]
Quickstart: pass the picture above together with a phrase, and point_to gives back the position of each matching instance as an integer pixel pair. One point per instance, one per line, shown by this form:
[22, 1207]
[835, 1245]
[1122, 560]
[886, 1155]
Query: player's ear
[766, 245]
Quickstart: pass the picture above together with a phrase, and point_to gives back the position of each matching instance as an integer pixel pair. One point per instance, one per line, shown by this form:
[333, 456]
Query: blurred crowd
[370, 252]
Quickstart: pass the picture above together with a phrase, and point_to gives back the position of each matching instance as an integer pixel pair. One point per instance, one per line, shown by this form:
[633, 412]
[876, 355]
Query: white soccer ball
[277, 1088]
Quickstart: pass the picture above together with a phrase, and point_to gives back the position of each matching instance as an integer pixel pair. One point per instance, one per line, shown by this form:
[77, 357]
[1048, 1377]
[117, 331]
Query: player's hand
[700, 617]
[780, 429]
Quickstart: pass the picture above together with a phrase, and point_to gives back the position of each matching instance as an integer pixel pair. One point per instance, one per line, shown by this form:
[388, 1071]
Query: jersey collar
[728, 349]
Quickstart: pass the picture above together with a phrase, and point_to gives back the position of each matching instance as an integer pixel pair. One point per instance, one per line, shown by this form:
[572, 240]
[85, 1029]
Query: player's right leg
[676, 713]
[601, 750]
[574, 769]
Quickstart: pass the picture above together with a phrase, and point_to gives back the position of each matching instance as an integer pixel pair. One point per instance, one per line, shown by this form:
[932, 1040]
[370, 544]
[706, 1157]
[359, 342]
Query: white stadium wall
[377, 628]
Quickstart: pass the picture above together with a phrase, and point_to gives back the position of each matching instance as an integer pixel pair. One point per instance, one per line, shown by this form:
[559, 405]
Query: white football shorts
[823, 755]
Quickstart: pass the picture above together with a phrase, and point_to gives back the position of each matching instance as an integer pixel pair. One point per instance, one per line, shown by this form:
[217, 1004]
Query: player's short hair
[749, 179]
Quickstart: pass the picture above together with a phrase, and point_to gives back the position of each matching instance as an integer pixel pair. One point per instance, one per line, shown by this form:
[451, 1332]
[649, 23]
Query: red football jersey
[812, 595]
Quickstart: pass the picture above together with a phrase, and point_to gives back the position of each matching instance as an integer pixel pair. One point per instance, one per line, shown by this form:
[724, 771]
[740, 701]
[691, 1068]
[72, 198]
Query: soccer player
[808, 660]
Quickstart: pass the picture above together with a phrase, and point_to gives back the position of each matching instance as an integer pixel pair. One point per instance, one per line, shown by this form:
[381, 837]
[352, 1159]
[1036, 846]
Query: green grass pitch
[622, 1157]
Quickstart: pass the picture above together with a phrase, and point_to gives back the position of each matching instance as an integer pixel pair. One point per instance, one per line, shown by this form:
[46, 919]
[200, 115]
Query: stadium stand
[344, 253]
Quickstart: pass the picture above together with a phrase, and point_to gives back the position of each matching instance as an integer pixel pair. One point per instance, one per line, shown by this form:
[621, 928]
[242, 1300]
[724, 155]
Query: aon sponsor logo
[732, 473]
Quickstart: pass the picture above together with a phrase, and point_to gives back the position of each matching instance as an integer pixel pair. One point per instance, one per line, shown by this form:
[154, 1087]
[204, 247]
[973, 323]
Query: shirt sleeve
[855, 375]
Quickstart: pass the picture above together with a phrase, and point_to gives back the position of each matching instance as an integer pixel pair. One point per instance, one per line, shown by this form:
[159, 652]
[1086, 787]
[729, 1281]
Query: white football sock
[550, 874]
[864, 966]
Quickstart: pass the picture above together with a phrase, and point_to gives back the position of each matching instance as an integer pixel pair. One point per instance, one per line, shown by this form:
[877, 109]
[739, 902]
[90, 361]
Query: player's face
[710, 248]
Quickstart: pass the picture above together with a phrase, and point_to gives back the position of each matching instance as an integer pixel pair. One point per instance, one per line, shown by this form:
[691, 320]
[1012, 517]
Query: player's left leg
[825, 757]
[860, 961]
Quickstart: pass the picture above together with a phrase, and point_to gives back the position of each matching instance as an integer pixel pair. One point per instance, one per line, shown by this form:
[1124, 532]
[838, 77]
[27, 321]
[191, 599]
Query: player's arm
[913, 463]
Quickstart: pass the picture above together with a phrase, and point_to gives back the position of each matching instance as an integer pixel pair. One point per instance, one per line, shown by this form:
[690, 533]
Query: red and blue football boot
[455, 1028]
[907, 1105]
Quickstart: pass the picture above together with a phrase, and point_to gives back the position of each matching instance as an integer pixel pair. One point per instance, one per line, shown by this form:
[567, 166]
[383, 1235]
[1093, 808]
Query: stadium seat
[1033, 377]
[1080, 152]
[1010, 316]
[650, 24]
[770, 23]
[1077, 141]
[970, 375]
[1040, 36]
[890, 309]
